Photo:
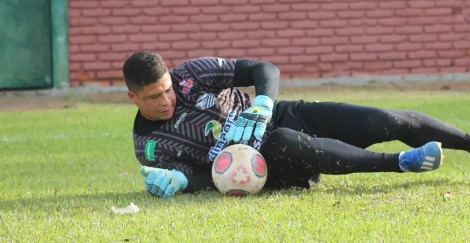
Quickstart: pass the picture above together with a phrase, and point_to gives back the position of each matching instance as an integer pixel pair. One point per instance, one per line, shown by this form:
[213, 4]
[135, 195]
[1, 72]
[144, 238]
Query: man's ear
[132, 97]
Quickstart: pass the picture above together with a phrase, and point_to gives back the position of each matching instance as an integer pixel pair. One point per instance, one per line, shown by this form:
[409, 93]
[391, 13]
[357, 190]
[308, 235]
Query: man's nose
[165, 99]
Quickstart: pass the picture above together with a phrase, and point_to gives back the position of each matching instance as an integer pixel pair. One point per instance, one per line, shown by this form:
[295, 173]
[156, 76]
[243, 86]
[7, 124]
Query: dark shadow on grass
[104, 201]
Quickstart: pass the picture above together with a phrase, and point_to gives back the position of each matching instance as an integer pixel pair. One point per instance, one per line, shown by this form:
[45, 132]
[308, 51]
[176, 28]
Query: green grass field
[63, 169]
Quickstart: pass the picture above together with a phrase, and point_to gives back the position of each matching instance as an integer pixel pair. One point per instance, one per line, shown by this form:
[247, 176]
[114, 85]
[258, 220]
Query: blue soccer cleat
[425, 158]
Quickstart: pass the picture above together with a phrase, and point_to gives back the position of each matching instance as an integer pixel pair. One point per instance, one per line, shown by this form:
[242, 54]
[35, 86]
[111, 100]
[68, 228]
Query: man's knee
[287, 165]
[279, 135]
[276, 142]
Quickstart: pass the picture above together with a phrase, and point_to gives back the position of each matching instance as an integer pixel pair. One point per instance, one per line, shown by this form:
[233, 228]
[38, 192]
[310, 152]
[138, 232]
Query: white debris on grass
[131, 209]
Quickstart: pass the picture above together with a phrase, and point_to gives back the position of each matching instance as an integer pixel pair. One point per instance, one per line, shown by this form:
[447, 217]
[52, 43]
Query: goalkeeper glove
[163, 183]
[254, 118]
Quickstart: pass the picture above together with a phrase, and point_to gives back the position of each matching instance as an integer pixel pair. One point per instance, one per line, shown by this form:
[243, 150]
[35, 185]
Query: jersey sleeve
[154, 153]
[210, 73]
[263, 75]
[149, 154]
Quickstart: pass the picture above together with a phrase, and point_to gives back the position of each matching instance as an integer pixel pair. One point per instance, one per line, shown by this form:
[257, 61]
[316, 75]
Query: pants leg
[293, 157]
[363, 126]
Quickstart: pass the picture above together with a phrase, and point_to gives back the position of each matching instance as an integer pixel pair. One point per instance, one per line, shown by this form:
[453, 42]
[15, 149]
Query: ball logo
[259, 166]
[240, 175]
[223, 163]
[239, 170]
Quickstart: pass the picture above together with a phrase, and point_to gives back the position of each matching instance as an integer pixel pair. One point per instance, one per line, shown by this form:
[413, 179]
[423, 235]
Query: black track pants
[330, 138]
[363, 126]
[294, 157]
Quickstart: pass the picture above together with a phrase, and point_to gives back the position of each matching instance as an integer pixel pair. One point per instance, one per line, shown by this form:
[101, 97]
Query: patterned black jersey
[206, 105]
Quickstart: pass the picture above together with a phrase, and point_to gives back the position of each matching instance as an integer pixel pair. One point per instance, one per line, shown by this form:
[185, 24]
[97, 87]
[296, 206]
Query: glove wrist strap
[263, 100]
[181, 177]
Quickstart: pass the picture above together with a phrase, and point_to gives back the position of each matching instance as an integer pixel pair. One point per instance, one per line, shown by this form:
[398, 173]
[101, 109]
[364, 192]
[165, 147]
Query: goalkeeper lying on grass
[188, 114]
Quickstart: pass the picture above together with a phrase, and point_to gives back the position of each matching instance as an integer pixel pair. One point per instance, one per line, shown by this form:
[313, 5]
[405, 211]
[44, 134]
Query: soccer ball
[239, 170]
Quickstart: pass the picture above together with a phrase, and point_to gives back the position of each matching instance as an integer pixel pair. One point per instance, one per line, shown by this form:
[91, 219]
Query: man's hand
[258, 115]
[163, 183]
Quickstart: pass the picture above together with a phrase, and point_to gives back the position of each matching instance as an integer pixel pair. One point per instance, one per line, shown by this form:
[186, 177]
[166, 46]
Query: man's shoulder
[143, 127]
[203, 63]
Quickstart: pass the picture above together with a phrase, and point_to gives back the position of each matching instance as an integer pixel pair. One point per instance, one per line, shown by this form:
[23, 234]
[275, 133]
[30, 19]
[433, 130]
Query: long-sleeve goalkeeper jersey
[206, 106]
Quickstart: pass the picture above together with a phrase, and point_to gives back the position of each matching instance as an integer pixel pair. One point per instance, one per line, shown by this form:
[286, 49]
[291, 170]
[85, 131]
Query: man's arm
[253, 120]
[165, 183]
[263, 75]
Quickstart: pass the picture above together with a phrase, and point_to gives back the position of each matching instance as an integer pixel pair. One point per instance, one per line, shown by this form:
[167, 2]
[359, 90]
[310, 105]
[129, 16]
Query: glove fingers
[260, 129]
[238, 134]
[154, 190]
[149, 181]
[230, 133]
[169, 192]
[164, 183]
[156, 183]
[163, 186]
[248, 130]
[240, 125]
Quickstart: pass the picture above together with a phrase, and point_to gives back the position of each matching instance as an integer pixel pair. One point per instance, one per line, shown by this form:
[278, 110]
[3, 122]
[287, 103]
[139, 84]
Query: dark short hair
[143, 68]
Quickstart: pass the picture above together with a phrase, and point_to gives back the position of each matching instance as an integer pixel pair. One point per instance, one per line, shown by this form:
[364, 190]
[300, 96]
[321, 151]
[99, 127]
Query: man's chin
[166, 115]
[163, 116]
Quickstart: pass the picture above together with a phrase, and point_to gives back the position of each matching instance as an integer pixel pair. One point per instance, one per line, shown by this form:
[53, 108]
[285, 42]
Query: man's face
[156, 101]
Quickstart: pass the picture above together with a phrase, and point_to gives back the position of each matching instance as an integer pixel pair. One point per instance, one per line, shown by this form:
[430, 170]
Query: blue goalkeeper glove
[163, 183]
[254, 118]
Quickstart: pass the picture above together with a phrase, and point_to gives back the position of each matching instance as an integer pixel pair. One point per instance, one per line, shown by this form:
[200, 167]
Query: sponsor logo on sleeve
[179, 153]
[180, 120]
[150, 150]
[214, 127]
[205, 101]
[221, 62]
[221, 141]
[187, 85]
[219, 131]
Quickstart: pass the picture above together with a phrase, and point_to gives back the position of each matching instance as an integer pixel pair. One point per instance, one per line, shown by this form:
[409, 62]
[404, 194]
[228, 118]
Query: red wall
[318, 38]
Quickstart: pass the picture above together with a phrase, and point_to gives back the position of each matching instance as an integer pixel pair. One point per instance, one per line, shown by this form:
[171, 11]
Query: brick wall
[319, 38]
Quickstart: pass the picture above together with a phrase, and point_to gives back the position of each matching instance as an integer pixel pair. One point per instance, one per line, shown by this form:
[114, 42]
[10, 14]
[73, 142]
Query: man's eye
[167, 91]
